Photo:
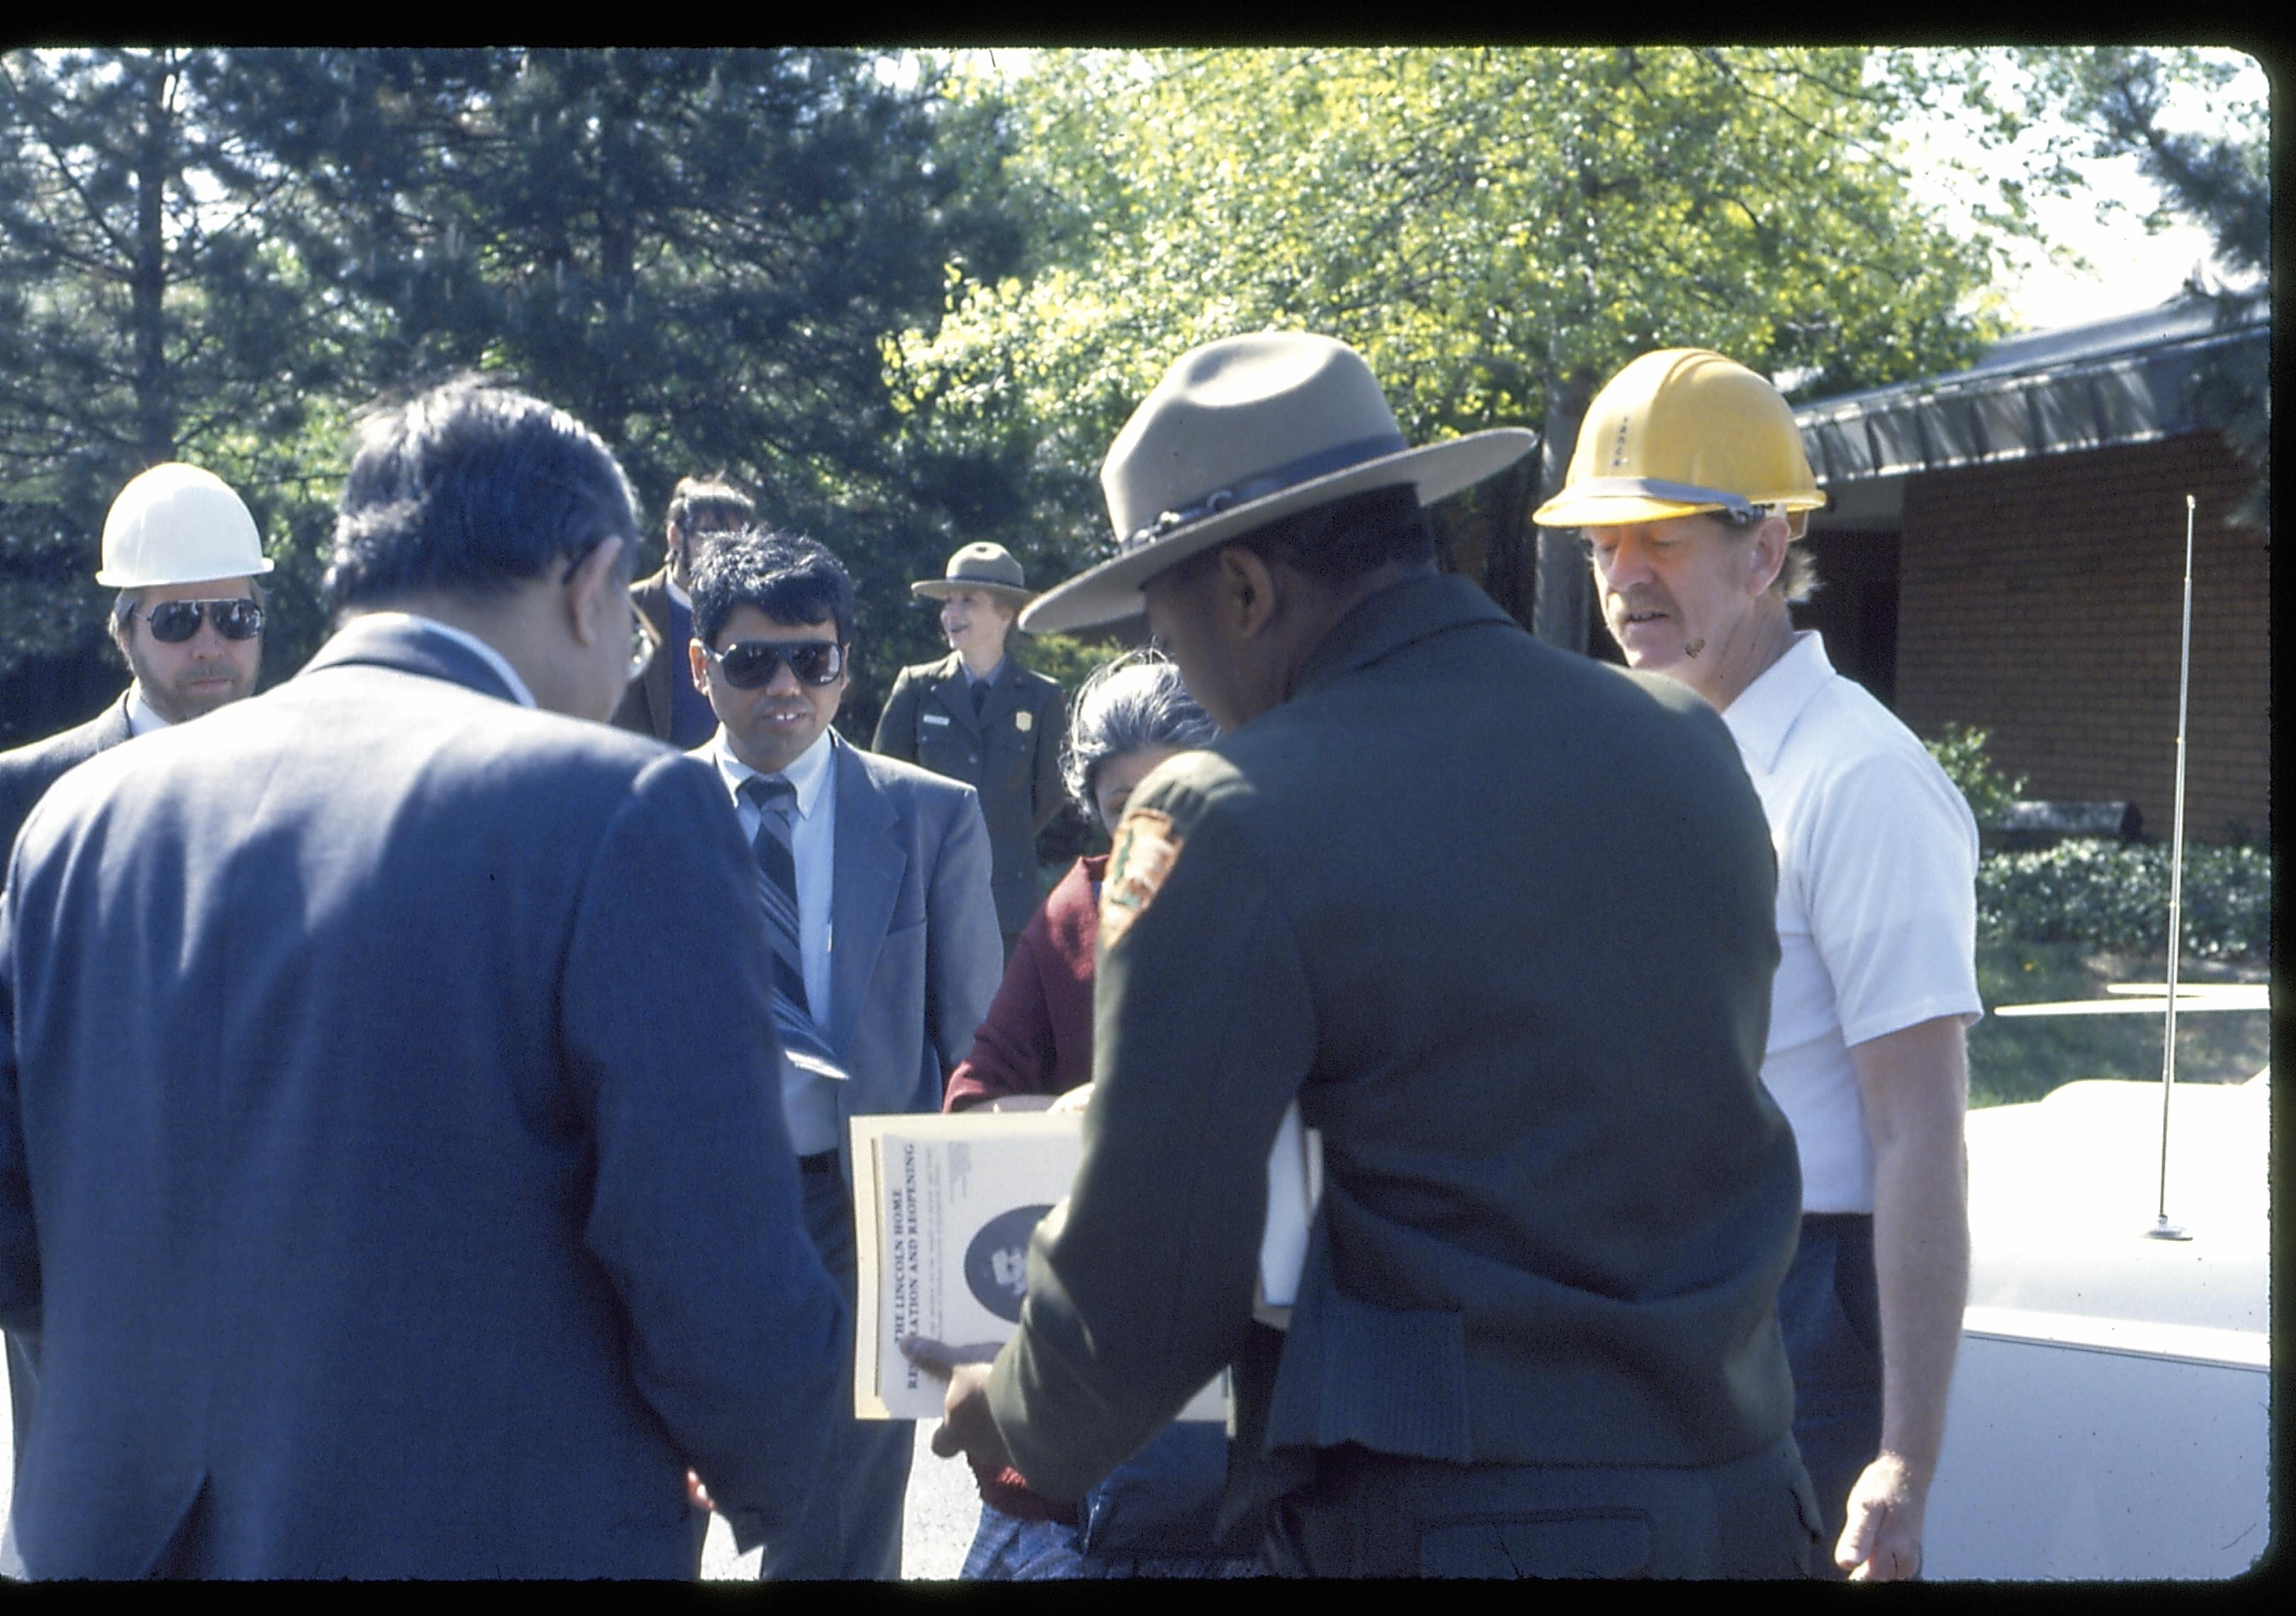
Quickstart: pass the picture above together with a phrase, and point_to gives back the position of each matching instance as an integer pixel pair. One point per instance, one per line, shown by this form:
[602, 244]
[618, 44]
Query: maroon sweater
[1037, 1040]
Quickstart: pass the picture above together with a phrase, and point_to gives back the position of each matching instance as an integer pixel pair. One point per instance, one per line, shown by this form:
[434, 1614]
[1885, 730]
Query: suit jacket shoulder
[27, 772]
[1030, 679]
[896, 734]
[936, 674]
[645, 706]
[651, 595]
[898, 778]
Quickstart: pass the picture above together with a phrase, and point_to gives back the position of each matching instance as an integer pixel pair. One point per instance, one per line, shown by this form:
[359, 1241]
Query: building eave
[2125, 381]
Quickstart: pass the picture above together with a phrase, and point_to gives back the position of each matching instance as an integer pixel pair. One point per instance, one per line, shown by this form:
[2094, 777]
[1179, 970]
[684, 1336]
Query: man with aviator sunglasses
[874, 878]
[182, 550]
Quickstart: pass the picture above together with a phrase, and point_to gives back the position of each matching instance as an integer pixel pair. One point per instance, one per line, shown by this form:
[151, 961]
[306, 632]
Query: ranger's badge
[1021, 721]
[1146, 848]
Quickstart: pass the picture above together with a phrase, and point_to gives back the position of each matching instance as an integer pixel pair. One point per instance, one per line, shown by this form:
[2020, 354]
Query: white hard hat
[176, 524]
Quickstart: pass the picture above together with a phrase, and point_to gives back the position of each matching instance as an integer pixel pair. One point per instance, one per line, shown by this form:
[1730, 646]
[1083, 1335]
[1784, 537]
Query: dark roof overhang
[2129, 380]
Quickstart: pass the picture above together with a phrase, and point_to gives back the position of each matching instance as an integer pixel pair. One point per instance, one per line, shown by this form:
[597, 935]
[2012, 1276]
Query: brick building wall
[2042, 600]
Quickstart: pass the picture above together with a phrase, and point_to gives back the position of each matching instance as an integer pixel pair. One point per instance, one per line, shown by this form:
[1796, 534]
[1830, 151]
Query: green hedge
[1960, 750]
[2112, 895]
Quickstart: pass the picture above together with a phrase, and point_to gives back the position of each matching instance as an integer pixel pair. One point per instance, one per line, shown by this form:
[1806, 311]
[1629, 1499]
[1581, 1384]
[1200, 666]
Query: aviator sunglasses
[750, 664]
[175, 621]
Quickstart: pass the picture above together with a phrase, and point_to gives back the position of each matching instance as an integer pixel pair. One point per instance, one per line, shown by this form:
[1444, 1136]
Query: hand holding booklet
[943, 1209]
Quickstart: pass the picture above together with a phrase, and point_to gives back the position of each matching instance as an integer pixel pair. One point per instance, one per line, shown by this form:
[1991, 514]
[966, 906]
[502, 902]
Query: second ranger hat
[988, 567]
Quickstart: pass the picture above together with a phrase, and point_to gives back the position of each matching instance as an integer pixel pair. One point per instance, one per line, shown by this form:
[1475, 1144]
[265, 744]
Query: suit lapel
[955, 693]
[110, 726]
[651, 598]
[1004, 697]
[870, 865]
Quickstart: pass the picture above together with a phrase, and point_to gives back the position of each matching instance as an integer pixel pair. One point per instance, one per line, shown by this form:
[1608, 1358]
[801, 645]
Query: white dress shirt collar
[809, 772]
[143, 718]
[676, 593]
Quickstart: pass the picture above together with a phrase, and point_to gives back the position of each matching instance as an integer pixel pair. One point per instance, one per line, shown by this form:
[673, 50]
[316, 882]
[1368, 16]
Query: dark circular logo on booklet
[996, 1262]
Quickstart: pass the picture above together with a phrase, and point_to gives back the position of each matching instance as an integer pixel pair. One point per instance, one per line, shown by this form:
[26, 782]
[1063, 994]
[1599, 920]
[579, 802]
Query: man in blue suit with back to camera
[873, 876]
[391, 1166]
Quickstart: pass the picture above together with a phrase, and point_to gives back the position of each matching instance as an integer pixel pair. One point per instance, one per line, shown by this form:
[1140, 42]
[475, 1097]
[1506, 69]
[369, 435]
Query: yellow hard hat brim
[1611, 503]
[1570, 510]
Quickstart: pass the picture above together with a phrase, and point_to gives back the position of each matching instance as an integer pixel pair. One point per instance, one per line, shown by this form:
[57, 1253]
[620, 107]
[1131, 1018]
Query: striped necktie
[775, 799]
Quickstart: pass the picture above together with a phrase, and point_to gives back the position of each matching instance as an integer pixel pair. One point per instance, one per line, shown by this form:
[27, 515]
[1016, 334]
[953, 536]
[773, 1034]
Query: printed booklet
[943, 1209]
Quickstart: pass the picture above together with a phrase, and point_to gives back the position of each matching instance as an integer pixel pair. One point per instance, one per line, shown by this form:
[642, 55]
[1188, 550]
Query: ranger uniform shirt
[1008, 752]
[1500, 919]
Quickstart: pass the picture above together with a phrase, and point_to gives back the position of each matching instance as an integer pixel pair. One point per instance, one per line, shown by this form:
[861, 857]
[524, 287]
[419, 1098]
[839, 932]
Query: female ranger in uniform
[978, 716]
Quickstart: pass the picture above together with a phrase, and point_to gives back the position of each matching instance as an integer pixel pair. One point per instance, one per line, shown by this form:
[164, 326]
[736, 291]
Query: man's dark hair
[710, 505]
[472, 488]
[1337, 543]
[794, 580]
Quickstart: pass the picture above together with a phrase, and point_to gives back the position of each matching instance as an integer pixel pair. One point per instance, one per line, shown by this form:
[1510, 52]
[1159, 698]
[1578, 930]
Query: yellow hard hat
[1680, 431]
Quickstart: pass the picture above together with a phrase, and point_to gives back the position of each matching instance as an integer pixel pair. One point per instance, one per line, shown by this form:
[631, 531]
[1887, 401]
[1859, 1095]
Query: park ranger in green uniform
[1499, 919]
[978, 716]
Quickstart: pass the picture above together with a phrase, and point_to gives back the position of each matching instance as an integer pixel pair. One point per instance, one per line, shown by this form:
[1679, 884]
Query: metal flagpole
[2163, 1229]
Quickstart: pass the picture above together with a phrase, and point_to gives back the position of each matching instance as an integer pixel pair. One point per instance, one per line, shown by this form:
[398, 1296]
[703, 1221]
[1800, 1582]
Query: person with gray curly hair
[1135, 708]
[1155, 1516]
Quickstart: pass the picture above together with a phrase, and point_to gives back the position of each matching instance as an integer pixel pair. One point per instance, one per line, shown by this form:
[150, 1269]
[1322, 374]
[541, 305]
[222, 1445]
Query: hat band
[1654, 487]
[1320, 464]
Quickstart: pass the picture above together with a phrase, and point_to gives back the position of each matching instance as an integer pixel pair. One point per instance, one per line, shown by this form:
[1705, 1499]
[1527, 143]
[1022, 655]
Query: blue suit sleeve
[19, 1257]
[733, 1323]
[965, 952]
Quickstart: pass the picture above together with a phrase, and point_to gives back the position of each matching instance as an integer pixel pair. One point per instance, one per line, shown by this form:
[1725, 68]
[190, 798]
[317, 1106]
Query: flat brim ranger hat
[1242, 431]
[990, 569]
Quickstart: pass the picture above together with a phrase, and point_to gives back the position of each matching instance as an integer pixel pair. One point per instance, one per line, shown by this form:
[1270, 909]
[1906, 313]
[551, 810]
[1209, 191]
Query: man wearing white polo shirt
[1690, 482]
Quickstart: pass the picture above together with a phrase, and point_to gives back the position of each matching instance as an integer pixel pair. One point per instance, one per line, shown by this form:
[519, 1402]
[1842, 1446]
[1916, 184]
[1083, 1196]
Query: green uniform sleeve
[896, 725]
[1140, 1289]
[1052, 728]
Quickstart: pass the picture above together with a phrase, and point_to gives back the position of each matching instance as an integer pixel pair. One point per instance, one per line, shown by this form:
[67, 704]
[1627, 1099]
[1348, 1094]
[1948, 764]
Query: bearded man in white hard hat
[183, 551]
[1690, 485]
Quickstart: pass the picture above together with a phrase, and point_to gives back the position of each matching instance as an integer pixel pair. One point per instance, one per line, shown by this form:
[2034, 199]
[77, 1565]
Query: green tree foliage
[1496, 230]
[146, 313]
[695, 251]
[2118, 98]
[1959, 750]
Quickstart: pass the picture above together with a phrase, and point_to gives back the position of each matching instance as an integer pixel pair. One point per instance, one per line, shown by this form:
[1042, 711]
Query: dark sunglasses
[175, 621]
[750, 664]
